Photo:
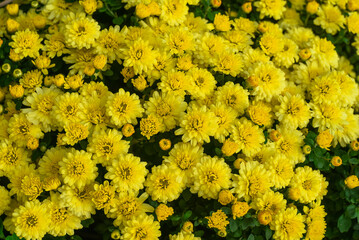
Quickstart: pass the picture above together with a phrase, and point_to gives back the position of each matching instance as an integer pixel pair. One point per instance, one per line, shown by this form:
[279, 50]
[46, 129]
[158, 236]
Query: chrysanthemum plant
[179, 119]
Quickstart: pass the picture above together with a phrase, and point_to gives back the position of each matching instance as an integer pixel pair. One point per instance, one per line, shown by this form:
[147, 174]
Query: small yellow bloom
[239, 209]
[264, 217]
[139, 83]
[354, 145]
[128, 130]
[324, 139]
[142, 11]
[229, 148]
[17, 73]
[307, 149]
[187, 227]
[305, 54]
[352, 181]
[165, 144]
[222, 233]
[39, 21]
[127, 73]
[59, 80]
[263, 27]
[275, 135]
[218, 220]
[90, 6]
[237, 163]
[312, 7]
[336, 161]
[32, 143]
[222, 22]
[51, 183]
[12, 25]
[163, 212]
[17, 91]
[12, 9]
[100, 61]
[247, 7]
[115, 234]
[216, 3]
[89, 70]
[225, 197]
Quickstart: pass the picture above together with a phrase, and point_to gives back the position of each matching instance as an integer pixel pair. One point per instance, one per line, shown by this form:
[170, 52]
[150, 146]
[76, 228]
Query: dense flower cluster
[253, 87]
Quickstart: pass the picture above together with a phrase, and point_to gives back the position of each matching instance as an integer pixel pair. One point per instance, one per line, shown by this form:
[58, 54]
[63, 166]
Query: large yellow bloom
[271, 8]
[197, 125]
[127, 173]
[164, 184]
[288, 225]
[173, 12]
[210, 176]
[142, 227]
[253, 180]
[26, 43]
[330, 18]
[31, 220]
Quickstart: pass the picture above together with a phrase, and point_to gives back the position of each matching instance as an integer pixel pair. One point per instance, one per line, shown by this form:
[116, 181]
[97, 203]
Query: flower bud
[17, 73]
[100, 61]
[264, 217]
[354, 145]
[247, 7]
[165, 144]
[216, 3]
[336, 161]
[115, 234]
[312, 7]
[352, 181]
[12, 25]
[305, 54]
[6, 67]
[12, 9]
[16, 91]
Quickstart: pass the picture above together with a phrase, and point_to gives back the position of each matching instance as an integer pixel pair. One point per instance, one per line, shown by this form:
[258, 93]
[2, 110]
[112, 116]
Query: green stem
[109, 10]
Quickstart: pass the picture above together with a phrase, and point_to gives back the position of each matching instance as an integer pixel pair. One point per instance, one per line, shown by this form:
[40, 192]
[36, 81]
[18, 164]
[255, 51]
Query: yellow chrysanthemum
[12, 156]
[218, 220]
[234, 96]
[31, 80]
[261, 113]
[225, 118]
[228, 63]
[129, 206]
[330, 18]
[325, 89]
[201, 84]
[270, 201]
[78, 201]
[293, 111]
[329, 116]
[107, 145]
[174, 82]
[67, 108]
[197, 125]
[81, 31]
[270, 8]
[164, 183]
[253, 180]
[142, 227]
[151, 125]
[248, 136]
[183, 236]
[166, 107]
[104, 196]
[210, 176]
[41, 103]
[139, 55]
[62, 221]
[5, 200]
[109, 42]
[180, 41]
[310, 184]
[123, 108]
[77, 168]
[31, 220]
[271, 81]
[288, 225]
[173, 12]
[185, 157]
[26, 43]
[323, 51]
[127, 173]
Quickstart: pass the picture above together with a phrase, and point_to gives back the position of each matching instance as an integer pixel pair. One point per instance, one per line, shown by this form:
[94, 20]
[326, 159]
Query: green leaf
[118, 20]
[2, 236]
[351, 211]
[12, 237]
[251, 237]
[268, 233]
[198, 233]
[218, 151]
[233, 225]
[353, 161]
[226, 210]
[187, 215]
[344, 223]
[108, 73]
[86, 223]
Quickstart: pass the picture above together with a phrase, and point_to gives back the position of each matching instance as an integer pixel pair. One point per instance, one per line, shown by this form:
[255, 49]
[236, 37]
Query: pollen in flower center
[31, 221]
[211, 177]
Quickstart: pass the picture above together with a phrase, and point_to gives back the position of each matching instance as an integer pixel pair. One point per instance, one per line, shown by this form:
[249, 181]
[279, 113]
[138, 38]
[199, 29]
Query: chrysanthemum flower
[197, 125]
[330, 18]
[62, 221]
[174, 82]
[123, 108]
[143, 227]
[81, 31]
[104, 196]
[228, 62]
[55, 44]
[12, 156]
[56, 9]
[31, 220]
[180, 41]
[210, 176]
[5, 200]
[350, 129]
[129, 206]
[201, 84]
[127, 173]
[183, 236]
[26, 43]
[109, 42]
[260, 113]
[293, 111]
[288, 55]
[31, 80]
[234, 96]
[78, 201]
[281, 169]
[270, 8]
[328, 116]
[248, 136]
[166, 107]
[41, 103]
[151, 125]
[67, 108]
[164, 184]
[271, 43]
[271, 81]
[107, 145]
[310, 184]
[49, 163]
[323, 51]
[253, 180]
[139, 55]
[77, 168]
[270, 201]
[225, 118]
[173, 12]
[288, 225]
[325, 89]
